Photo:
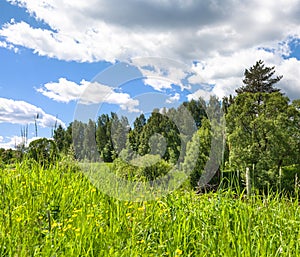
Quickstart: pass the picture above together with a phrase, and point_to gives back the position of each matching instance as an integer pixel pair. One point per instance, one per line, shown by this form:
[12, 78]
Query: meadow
[57, 212]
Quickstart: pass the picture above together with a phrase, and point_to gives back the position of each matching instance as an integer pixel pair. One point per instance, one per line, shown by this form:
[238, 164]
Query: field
[58, 212]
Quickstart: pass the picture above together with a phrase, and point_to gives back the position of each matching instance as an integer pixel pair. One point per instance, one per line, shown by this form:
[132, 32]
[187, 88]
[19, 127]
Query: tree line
[260, 137]
[110, 136]
[262, 134]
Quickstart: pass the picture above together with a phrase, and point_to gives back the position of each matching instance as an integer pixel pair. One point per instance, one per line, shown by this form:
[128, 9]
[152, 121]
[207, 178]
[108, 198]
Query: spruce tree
[259, 79]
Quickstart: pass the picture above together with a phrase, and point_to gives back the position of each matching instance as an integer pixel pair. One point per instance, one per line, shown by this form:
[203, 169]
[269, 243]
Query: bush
[288, 179]
[44, 151]
[146, 168]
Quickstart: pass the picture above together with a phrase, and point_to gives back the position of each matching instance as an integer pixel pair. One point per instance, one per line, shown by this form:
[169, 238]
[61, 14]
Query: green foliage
[160, 124]
[145, 168]
[262, 129]
[152, 171]
[10, 156]
[124, 170]
[119, 131]
[89, 150]
[58, 136]
[134, 134]
[44, 151]
[110, 135]
[197, 153]
[290, 179]
[78, 137]
[259, 79]
[197, 108]
[103, 138]
[204, 152]
[263, 133]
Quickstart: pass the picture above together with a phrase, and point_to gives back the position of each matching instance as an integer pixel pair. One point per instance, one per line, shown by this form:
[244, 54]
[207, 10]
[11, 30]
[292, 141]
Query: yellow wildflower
[18, 219]
[178, 251]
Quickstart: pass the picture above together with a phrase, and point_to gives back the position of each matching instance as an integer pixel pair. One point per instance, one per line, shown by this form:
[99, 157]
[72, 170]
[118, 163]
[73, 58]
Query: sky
[64, 60]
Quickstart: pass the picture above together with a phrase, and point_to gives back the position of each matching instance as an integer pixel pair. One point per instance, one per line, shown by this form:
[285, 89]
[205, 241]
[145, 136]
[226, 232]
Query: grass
[58, 212]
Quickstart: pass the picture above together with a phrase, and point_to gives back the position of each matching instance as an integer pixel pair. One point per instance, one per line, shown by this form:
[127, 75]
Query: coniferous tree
[59, 137]
[89, 141]
[160, 123]
[259, 79]
[134, 134]
[119, 131]
[78, 138]
[197, 153]
[103, 136]
[68, 140]
[197, 110]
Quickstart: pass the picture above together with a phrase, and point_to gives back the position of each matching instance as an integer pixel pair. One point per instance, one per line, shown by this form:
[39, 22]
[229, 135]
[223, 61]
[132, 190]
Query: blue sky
[131, 56]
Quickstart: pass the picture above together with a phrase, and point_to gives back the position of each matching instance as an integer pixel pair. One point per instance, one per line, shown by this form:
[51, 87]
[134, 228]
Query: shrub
[148, 167]
[44, 151]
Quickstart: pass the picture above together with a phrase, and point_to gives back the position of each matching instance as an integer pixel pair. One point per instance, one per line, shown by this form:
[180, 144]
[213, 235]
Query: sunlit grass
[58, 212]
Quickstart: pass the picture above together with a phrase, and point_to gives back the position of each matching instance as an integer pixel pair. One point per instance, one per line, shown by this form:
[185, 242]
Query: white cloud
[63, 90]
[226, 36]
[87, 93]
[10, 142]
[20, 112]
[158, 84]
[173, 99]
[289, 84]
[8, 46]
[226, 72]
[162, 73]
[185, 30]
[200, 93]
[13, 141]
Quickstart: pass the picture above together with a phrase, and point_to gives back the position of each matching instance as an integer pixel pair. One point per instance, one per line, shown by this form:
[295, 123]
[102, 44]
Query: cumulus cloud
[158, 84]
[8, 46]
[20, 112]
[290, 68]
[185, 30]
[87, 93]
[162, 73]
[63, 90]
[13, 141]
[173, 99]
[200, 93]
[224, 37]
[10, 142]
[226, 72]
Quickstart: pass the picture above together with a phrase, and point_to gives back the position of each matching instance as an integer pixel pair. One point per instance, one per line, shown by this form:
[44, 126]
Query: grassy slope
[58, 212]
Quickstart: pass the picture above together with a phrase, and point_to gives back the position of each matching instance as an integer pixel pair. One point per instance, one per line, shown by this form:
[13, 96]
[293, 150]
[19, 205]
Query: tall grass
[58, 212]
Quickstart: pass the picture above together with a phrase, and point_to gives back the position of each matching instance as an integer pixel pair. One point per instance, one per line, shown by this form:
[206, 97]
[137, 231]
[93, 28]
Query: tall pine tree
[259, 79]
